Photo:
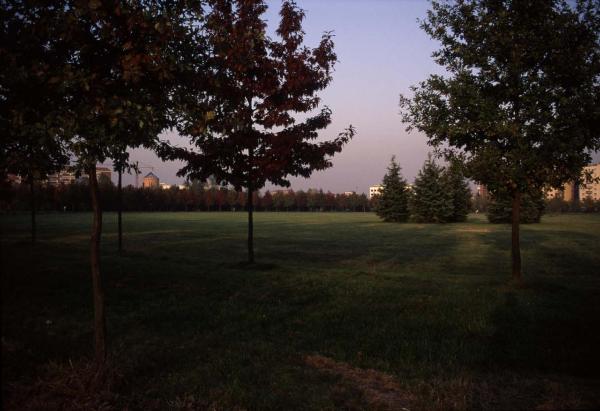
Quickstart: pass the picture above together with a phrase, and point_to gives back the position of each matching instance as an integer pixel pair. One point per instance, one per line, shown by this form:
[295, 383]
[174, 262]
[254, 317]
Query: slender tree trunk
[33, 222]
[120, 210]
[250, 226]
[98, 291]
[516, 246]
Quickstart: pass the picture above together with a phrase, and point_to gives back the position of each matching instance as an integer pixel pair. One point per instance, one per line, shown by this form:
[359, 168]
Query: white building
[375, 190]
[591, 190]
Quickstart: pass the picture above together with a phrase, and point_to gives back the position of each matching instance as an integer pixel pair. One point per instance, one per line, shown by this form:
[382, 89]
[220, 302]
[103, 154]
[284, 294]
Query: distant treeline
[75, 197]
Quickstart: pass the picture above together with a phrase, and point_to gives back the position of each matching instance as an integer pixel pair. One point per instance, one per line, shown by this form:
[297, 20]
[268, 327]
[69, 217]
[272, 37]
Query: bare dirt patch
[377, 390]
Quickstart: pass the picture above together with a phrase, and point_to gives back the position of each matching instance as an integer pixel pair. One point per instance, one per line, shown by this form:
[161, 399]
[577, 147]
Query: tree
[267, 201]
[116, 64]
[393, 200]
[531, 208]
[519, 102]
[241, 121]
[431, 202]
[31, 95]
[458, 190]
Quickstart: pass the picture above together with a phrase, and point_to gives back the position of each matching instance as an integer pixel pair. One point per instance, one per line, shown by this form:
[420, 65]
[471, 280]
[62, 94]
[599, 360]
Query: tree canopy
[519, 99]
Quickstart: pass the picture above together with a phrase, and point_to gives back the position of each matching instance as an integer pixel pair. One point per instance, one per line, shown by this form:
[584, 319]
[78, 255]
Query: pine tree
[500, 208]
[431, 202]
[393, 200]
[458, 192]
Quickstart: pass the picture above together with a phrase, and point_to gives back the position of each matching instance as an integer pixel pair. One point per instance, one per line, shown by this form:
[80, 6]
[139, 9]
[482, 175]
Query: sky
[382, 51]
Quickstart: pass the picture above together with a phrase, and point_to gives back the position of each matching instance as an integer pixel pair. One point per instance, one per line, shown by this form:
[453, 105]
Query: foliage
[458, 190]
[431, 201]
[500, 208]
[392, 204]
[519, 102]
[75, 197]
[31, 91]
[241, 117]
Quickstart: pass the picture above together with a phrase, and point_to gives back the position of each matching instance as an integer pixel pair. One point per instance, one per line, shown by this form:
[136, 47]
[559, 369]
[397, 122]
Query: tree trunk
[250, 226]
[33, 223]
[516, 246]
[120, 210]
[98, 291]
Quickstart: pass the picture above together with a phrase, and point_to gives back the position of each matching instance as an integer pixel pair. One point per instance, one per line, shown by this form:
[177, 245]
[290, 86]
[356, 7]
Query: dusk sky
[381, 52]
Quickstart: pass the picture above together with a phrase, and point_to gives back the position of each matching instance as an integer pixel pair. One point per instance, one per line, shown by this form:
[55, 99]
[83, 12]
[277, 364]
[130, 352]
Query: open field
[427, 308]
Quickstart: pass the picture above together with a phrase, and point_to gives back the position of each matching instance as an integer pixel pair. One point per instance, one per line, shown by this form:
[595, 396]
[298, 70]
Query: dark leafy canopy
[522, 95]
[125, 63]
[392, 204]
[31, 90]
[241, 118]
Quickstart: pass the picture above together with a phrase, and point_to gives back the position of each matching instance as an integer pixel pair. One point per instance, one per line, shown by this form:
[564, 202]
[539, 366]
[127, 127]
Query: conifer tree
[431, 202]
[393, 200]
[531, 210]
[458, 191]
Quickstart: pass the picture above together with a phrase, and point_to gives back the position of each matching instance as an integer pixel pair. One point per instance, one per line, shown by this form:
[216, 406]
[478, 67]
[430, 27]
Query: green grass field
[342, 311]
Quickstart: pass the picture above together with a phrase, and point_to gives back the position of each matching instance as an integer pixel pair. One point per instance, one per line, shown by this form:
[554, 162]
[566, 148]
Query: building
[164, 186]
[13, 179]
[481, 191]
[591, 190]
[104, 172]
[284, 191]
[349, 193]
[375, 190]
[67, 176]
[573, 191]
[62, 177]
[151, 181]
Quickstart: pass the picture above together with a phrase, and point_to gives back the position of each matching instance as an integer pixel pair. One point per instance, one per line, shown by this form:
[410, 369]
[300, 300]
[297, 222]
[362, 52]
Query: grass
[343, 311]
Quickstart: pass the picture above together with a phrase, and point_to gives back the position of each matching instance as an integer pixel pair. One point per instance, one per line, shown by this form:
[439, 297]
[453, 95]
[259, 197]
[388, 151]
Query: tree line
[75, 197]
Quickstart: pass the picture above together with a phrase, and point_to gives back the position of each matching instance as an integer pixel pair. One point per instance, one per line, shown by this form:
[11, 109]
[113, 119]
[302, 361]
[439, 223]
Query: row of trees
[442, 195]
[85, 81]
[75, 197]
[439, 195]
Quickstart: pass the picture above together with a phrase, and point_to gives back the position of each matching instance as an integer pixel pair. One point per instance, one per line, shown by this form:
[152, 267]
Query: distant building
[349, 193]
[375, 190]
[284, 191]
[67, 176]
[481, 191]
[104, 171]
[591, 190]
[573, 191]
[63, 177]
[151, 181]
[13, 179]
[164, 186]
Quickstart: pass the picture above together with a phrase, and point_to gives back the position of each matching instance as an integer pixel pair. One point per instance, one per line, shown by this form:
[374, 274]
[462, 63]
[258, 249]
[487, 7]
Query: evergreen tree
[458, 192]
[431, 202]
[393, 200]
[500, 208]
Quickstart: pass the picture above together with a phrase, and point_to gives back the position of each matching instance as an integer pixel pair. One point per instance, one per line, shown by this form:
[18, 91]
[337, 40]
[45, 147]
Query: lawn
[341, 311]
